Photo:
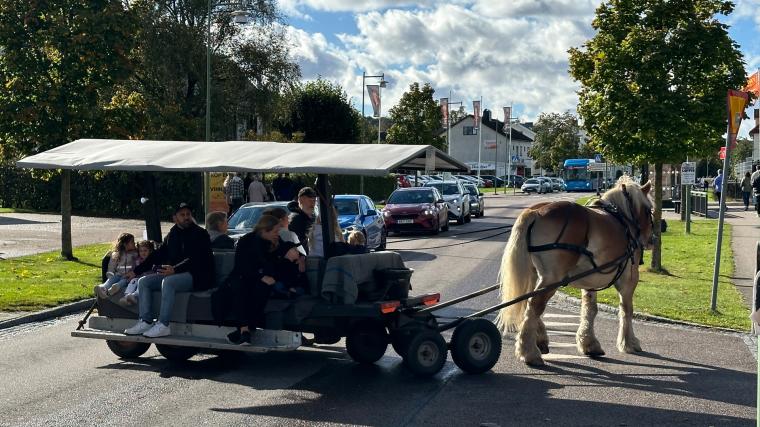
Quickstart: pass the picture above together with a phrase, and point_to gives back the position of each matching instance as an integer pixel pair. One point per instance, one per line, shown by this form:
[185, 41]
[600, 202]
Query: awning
[242, 156]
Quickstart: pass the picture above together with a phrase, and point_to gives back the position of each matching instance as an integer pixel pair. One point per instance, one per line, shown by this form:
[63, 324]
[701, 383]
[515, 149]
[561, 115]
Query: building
[754, 134]
[463, 140]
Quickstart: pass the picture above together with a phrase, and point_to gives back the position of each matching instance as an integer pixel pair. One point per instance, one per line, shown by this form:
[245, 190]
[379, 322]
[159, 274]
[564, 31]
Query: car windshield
[447, 188]
[532, 181]
[410, 197]
[347, 206]
[246, 217]
[472, 190]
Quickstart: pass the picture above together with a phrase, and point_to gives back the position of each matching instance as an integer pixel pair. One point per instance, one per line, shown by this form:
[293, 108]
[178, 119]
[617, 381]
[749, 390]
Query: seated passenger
[183, 263]
[315, 235]
[144, 249]
[120, 266]
[216, 226]
[357, 242]
[290, 273]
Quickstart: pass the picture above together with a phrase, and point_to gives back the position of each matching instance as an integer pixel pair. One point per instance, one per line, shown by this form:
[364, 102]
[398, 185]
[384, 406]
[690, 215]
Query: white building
[463, 140]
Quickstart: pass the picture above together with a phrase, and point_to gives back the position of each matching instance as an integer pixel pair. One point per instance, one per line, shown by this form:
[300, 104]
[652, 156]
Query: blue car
[358, 213]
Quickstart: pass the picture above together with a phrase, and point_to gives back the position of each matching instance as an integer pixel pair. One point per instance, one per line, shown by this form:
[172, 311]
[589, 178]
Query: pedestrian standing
[257, 192]
[755, 180]
[718, 185]
[235, 191]
[746, 186]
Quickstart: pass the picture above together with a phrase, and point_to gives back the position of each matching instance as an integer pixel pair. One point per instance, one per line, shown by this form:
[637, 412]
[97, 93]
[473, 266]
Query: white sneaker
[101, 291]
[138, 328]
[158, 330]
[114, 289]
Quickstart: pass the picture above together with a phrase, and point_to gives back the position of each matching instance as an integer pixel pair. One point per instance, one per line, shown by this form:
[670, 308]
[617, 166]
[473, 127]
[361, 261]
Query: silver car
[456, 197]
[536, 185]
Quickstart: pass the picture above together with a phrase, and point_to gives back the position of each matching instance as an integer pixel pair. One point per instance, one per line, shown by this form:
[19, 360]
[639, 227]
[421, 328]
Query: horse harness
[620, 263]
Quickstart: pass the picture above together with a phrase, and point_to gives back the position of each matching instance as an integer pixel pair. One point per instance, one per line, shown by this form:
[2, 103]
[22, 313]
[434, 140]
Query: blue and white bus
[577, 175]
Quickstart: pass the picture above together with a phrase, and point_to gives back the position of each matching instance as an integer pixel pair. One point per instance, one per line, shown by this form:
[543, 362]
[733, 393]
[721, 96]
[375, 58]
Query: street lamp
[382, 84]
[239, 16]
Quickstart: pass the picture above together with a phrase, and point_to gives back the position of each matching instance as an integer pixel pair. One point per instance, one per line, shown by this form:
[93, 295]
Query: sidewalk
[746, 234]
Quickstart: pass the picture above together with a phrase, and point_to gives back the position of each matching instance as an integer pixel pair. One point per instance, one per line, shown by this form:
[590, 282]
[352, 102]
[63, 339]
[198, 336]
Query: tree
[653, 83]
[556, 140]
[59, 64]
[416, 118]
[322, 112]
[458, 114]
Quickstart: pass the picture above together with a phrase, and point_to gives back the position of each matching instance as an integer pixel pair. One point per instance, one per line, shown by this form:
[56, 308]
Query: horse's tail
[517, 275]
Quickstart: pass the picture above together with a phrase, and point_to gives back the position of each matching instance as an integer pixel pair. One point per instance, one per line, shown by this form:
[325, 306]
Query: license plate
[405, 221]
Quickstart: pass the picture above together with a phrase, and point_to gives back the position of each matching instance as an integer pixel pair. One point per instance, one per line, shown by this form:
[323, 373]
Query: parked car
[358, 213]
[402, 181]
[549, 185]
[558, 184]
[536, 185]
[416, 209]
[246, 217]
[513, 180]
[477, 202]
[480, 182]
[494, 179]
[456, 197]
[420, 180]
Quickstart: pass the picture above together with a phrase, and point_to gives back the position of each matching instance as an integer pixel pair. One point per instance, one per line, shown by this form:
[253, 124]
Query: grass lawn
[45, 280]
[14, 210]
[583, 200]
[684, 293]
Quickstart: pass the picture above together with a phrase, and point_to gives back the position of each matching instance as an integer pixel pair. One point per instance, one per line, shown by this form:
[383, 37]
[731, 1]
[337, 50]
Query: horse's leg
[542, 339]
[526, 345]
[627, 341]
[585, 338]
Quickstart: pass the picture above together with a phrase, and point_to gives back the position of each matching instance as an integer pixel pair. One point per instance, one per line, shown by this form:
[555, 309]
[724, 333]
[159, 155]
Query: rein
[620, 263]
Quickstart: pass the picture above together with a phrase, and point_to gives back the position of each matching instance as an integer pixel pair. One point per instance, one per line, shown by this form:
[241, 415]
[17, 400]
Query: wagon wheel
[128, 349]
[400, 339]
[176, 353]
[366, 342]
[475, 345]
[426, 353]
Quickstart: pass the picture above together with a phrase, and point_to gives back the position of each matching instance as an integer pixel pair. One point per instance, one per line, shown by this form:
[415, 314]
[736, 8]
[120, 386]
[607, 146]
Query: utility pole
[480, 134]
[448, 123]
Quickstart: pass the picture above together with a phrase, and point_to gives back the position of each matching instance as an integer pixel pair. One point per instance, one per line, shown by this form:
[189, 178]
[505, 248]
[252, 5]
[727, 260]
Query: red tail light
[431, 299]
[389, 306]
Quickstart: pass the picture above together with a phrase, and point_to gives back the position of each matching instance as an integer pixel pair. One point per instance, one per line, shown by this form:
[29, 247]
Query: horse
[586, 247]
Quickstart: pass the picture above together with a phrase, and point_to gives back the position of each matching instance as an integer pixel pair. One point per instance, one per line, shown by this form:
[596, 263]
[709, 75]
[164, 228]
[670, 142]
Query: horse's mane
[616, 196]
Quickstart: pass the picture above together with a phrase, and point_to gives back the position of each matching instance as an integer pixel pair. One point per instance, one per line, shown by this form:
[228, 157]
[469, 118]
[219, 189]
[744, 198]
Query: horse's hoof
[543, 347]
[630, 348]
[594, 353]
[533, 362]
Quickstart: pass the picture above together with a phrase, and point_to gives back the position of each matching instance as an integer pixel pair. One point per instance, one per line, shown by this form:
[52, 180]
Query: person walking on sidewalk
[746, 186]
[755, 180]
[718, 185]
[183, 263]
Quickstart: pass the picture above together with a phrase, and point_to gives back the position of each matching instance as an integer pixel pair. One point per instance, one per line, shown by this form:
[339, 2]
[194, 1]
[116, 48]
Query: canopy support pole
[325, 212]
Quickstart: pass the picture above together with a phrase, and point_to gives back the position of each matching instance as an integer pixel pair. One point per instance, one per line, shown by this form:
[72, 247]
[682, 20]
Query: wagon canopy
[242, 156]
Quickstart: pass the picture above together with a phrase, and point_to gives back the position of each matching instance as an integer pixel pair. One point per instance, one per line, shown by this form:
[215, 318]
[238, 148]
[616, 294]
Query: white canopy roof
[241, 156]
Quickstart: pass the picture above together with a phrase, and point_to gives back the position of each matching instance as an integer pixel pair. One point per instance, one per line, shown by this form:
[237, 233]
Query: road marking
[560, 324]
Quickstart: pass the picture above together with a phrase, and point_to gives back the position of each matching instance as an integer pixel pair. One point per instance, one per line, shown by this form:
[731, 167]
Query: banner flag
[753, 84]
[736, 103]
[722, 153]
[445, 110]
[476, 109]
[374, 97]
[507, 117]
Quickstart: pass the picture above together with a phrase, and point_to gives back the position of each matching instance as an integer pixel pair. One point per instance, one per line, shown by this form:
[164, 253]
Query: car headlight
[455, 201]
[386, 213]
[588, 184]
[428, 212]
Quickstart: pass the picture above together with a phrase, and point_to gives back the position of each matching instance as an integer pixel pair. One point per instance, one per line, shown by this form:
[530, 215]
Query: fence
[698, 202]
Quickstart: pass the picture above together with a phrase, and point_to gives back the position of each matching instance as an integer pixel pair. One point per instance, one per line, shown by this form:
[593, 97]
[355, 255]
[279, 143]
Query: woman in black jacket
[257, 256]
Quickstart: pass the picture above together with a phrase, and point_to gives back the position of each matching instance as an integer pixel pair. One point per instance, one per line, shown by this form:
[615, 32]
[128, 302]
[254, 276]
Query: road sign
[688, 172]
[597, 167]
[515, 158]
[598, 158]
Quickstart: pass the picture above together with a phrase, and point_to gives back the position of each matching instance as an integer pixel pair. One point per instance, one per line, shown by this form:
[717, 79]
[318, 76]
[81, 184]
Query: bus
[577, 175]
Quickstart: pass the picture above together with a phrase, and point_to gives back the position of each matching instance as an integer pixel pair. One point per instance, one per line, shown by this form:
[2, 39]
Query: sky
[508, 52]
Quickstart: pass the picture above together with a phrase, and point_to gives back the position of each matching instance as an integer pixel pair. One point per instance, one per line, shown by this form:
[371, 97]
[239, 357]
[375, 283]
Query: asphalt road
[686, 376]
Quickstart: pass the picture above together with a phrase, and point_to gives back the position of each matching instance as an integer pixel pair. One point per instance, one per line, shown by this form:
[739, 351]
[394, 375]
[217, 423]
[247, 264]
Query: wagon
[362, 298]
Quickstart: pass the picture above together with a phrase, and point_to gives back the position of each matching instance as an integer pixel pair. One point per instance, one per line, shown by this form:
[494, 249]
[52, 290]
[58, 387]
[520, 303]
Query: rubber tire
[460, 219]
[400, 339]
[468, 218]
[367, 342]
[128, 349]
[437, 229]
[482, 213]
[446, 225]
[426, 353]
[383, 240]
[475, 345]
[176, 353]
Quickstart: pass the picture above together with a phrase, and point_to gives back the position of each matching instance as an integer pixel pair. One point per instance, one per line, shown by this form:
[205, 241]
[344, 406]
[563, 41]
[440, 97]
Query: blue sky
[506, 51]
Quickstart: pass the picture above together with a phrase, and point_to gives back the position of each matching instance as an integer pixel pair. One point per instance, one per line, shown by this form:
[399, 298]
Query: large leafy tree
[416, 118]
[654, 81]
[59, 64]
[322, 112]
[557, 139]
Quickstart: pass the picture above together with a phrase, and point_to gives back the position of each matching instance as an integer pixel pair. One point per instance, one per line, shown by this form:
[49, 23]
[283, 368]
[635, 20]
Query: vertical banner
[507, 116]
[217, 198]
[476, 109]
[753, 84]
[737, 102]
[374, 97]
[445, 111]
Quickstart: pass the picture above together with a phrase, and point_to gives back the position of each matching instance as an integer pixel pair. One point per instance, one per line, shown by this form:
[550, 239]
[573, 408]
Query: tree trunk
[644, 174]
[657, 250]
[67, 251]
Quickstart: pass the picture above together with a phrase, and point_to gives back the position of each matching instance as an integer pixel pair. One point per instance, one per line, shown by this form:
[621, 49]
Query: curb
[50, 313]
[649, 317]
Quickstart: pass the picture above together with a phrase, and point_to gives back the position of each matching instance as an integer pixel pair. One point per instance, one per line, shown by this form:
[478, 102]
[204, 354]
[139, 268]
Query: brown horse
[551, 242]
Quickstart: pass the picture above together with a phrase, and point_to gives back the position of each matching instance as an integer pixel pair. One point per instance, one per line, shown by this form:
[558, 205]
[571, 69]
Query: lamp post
[382, 84]
[448, 123]
[239, 16]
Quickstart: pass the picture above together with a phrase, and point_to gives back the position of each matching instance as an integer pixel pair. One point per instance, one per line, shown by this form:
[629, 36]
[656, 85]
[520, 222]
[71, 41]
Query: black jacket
[253, 260]
[300, 223]
[190, 243]
[223, 241]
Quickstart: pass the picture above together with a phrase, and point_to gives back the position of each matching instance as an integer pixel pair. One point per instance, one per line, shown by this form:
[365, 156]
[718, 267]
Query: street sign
[598, 158]
[515, 158]
[597, 167]
[688, 172]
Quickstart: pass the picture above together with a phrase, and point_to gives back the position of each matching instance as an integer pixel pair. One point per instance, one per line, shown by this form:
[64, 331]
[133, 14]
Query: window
[470, 130]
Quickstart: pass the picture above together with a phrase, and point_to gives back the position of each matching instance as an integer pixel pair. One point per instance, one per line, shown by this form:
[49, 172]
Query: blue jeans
[116, 278]
[169, 286]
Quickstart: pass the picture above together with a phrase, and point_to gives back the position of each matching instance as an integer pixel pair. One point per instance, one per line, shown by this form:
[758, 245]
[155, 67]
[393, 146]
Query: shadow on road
[9, 220]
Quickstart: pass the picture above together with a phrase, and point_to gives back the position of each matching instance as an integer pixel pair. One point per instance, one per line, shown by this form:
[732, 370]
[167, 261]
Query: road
[686, 376]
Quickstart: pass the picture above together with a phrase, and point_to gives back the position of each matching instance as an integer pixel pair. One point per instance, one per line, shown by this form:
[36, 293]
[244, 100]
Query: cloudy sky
[505, 51]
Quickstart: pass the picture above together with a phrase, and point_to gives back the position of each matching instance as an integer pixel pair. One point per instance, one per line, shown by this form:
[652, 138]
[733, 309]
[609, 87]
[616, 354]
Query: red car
[416, 209]
[402, 181]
